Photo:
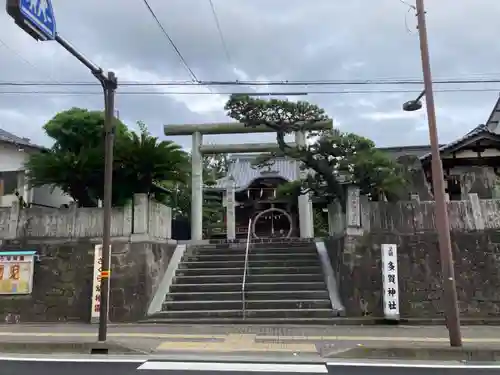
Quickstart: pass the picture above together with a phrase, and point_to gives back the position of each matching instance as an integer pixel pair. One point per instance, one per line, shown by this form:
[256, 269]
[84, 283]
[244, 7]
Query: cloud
[197, 103]
[391, 115]
[266, 40]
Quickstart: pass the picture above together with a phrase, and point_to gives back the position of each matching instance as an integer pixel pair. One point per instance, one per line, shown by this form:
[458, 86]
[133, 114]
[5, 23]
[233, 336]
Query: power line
[258, 83]
[21, 57]
[3, 43]
[157, 93]
[160, 25]
[221, 34]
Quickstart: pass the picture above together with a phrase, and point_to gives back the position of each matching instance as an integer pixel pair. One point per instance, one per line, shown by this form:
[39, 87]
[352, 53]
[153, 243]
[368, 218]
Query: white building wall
[13, 158]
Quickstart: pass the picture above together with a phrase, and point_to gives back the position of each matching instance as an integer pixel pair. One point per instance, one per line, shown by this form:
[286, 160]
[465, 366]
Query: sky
[266, 40]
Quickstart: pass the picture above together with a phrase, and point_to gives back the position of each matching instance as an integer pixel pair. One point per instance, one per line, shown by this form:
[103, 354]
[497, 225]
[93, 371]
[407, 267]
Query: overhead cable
[221, 34]
[166, 93]
[160, 25]
[257, 83]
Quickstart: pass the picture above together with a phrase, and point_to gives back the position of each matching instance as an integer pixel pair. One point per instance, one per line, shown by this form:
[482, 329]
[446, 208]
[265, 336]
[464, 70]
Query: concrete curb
[70, 347]
[421, 354]
[337, 321]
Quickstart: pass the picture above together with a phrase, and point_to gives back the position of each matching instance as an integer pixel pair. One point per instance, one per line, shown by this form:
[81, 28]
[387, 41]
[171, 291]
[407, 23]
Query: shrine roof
[242, 171]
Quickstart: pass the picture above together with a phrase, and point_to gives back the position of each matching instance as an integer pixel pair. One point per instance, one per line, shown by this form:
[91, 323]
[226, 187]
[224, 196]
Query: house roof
[477, 132]
[493, 120]
[396, 151]
[243, 173]
[8, 137]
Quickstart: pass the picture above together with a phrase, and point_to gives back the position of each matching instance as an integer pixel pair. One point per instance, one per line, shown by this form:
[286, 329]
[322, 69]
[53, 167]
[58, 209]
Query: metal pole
[442, 221]
[420, 96]
[109, 85]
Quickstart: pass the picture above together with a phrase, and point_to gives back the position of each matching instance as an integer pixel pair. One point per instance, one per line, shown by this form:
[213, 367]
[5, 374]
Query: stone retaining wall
[356, 260]
[62, 282]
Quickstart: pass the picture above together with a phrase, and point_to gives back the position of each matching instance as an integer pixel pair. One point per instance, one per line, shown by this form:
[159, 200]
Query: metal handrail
[245, 269]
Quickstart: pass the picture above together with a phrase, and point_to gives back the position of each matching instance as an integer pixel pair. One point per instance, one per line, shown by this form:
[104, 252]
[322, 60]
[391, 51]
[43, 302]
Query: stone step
[219, 305]
[250, 270]
[249, 295]
[289, 262]
[210, 279]
[254, 313]
[256, 245]
[204, 296]
[251, 250]
[236, 287]
[209, 271]
[251, 256]
[267, 321]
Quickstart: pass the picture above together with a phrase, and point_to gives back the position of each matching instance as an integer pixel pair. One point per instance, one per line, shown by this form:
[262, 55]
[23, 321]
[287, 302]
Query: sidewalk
[244, 339]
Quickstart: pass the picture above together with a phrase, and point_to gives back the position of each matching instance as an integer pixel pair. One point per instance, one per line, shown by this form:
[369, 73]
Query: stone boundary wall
[62, 282]
[143, 217]
[357, 262]
[407, 217]
[414, 216]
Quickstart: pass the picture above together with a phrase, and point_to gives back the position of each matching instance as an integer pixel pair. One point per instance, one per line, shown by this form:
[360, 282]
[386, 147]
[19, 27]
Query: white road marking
[440, 365]
[96, 359]
[227, 366]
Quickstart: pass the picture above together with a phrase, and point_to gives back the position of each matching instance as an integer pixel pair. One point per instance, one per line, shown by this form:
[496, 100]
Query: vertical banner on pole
[390, 281]
[96, 284]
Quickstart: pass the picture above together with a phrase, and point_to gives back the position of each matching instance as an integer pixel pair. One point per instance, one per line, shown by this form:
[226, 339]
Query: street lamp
[442, 221]
[414, 105]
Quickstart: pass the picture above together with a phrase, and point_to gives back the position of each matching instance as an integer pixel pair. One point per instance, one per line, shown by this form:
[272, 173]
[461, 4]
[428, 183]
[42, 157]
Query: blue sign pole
[37, 18]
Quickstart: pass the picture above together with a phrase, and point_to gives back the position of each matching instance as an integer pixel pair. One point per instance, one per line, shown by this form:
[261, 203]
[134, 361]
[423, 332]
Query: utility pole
[109, 86]
[442, 221]
[38, 20]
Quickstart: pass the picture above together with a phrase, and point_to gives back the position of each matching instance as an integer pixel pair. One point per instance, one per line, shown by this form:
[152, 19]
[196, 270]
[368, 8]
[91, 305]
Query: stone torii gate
[196, 131]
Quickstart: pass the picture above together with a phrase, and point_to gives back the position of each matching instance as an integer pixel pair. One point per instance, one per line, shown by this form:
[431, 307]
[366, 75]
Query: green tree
[143, 161]
[214, 167]
[75, 162]
[331, 158]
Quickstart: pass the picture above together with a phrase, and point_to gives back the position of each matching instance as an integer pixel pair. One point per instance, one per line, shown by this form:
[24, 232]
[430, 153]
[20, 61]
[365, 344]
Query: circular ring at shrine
[272, 209]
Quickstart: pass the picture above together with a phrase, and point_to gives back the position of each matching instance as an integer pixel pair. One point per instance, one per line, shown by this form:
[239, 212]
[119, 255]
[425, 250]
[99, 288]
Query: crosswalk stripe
[235, 367]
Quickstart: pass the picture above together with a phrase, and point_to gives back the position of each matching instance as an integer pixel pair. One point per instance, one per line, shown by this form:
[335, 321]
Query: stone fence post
[15, 212]
[140, 214]
[477, 214]
[150, 219]
[353, 211]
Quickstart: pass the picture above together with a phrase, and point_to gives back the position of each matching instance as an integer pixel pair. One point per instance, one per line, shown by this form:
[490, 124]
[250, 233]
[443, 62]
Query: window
[9, 182]
[454, 189]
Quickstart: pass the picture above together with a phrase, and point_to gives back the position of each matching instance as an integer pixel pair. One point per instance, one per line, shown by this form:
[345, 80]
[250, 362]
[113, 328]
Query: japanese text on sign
[96, 287]
[99, 274]
[16, 272]
[390, 281]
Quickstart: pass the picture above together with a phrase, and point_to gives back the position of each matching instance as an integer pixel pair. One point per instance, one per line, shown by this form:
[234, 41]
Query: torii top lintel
[231, 128]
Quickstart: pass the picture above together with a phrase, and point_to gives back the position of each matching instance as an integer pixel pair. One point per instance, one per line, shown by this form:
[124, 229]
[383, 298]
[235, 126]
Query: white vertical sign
[96, 285]
[390, 281]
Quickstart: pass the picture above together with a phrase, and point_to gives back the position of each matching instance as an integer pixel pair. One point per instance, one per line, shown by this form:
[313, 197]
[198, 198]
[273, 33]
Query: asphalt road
[87, 366]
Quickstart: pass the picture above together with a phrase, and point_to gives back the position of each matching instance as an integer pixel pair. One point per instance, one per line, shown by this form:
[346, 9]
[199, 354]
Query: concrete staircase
[284, 284]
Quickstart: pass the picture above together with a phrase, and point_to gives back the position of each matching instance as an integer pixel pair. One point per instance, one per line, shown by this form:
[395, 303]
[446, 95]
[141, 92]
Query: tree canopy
[75, 162]
[214, 167]
[330, 159]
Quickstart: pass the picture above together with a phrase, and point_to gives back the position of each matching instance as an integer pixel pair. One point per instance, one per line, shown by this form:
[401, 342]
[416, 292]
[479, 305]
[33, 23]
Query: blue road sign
[40, 15]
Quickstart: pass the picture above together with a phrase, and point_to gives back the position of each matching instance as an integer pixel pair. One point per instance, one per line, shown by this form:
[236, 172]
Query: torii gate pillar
[306, 222]
[196, 188]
